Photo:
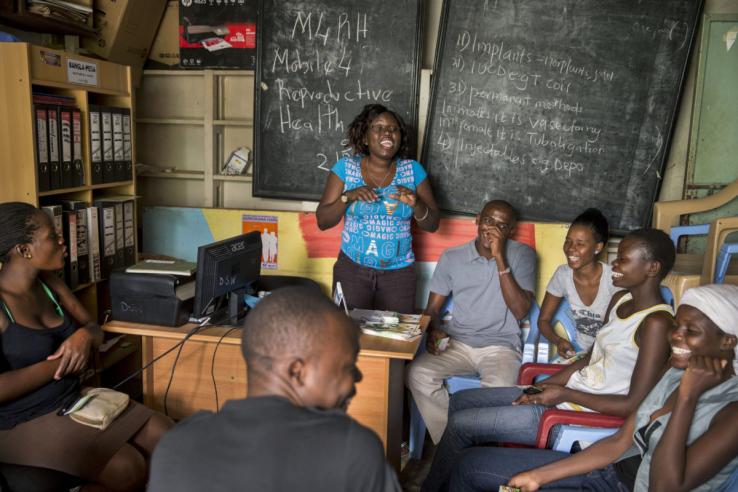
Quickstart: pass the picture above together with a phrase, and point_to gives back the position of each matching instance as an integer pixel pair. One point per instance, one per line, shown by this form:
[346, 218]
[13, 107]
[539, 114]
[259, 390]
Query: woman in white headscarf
[682, 437]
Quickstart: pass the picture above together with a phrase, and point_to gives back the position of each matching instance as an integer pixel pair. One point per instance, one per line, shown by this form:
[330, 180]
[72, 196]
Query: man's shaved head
[291, 320]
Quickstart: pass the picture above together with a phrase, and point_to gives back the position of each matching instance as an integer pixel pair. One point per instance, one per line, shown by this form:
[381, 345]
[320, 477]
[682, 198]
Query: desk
[377, 404]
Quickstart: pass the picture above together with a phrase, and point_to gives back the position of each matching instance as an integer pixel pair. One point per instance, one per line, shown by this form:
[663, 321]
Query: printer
[156, 299]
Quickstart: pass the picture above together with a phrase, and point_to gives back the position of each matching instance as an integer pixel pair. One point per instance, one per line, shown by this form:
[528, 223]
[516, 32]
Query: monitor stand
[233, 314]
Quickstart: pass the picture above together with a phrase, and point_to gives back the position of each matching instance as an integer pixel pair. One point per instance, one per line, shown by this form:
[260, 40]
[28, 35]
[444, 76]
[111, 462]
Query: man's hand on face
[496, 239]
[495, 223]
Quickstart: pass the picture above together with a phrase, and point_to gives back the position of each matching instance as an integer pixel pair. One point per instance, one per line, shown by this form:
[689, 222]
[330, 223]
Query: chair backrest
[667, 295]
[666, 216]
[563, 315]
[536, 347]
[530, 352]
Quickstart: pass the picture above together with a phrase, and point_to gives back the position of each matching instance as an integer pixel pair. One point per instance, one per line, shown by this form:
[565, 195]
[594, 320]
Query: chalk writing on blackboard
[320, 63]
[556, 106]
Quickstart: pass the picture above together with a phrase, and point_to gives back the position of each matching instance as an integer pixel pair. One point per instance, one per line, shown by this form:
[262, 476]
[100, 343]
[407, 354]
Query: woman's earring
[28, 256]
[597, 251]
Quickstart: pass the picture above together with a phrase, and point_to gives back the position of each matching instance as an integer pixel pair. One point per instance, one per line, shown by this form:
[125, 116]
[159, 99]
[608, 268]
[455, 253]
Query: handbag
[99, 407]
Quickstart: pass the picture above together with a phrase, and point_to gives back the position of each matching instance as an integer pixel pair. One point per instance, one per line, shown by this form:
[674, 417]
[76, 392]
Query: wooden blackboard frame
[645, 215]
[258, 190]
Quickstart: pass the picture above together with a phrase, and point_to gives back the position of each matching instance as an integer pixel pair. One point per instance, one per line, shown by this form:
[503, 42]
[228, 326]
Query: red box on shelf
[217, 34]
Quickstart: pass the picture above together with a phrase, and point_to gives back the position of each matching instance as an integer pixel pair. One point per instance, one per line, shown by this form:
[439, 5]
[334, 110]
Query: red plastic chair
[598, 425]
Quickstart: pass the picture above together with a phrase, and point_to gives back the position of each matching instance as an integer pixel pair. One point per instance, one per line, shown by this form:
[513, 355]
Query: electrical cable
[212, 365]
[203, 326]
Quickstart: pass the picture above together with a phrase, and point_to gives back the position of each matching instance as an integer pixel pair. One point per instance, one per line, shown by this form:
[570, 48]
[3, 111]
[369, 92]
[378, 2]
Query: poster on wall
[267, 225]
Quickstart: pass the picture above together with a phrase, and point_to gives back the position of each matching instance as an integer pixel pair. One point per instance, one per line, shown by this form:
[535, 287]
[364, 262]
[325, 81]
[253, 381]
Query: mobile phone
[533, 390]
[507, 488]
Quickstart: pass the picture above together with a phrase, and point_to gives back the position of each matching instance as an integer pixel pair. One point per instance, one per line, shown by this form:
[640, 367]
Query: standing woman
[379, 192]
[583, 280]
[46, 338]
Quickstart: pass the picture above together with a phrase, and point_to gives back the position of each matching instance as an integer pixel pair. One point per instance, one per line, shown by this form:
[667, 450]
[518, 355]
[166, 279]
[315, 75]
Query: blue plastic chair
[667, 295]
[472, 381]
[723, 260]
[570, 434]
[688, 230]
[727, 250]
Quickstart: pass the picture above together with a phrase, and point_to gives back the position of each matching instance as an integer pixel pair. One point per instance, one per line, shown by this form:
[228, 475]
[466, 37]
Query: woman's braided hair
[17, 227]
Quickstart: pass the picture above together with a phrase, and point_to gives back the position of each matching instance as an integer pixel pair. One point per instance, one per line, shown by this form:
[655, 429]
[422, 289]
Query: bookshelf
[188, 123]
[25, 69]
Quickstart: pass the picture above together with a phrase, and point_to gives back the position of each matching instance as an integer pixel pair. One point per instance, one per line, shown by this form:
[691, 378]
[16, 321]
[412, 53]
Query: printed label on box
[81, 72]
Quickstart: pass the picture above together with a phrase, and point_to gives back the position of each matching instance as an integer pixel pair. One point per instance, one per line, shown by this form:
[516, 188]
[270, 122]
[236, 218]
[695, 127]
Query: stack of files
[58, 134]
[116, 219]
[110, 144]
[76, 235]
[79, 225]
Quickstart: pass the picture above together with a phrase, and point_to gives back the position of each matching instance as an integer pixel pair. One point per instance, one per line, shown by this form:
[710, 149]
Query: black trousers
[370, 288]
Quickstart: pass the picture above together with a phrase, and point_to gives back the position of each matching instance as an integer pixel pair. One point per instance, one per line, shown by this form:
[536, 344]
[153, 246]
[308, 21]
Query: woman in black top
[46, 339]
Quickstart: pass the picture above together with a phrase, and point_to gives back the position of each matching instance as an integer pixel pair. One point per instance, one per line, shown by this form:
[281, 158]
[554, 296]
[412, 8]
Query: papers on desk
[164, 267]
[388, 324]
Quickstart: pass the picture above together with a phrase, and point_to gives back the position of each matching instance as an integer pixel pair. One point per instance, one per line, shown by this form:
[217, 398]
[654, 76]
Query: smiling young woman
[583, 280]
[377, 191]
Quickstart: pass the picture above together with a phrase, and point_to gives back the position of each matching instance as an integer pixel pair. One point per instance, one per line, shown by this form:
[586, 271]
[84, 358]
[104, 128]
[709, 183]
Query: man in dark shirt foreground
[291, 432]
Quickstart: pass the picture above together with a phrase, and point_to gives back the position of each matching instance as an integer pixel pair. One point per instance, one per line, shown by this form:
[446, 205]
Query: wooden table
[211, 364]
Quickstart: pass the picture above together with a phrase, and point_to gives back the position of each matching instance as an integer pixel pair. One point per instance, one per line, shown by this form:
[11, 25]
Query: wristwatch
[344, 197]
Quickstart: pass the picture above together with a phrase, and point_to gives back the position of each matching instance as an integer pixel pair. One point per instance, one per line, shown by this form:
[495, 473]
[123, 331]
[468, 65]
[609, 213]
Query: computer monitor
[224, 270]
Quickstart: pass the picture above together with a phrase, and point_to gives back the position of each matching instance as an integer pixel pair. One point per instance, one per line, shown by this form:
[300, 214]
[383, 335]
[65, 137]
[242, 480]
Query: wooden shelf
[115, 184]
[171, 121]
[244, 123]
[194, 120]
[29, 21]
[83, 286]
[235, 178]
[63, 191]
[195, 175]
[94, 90]
[27, 68]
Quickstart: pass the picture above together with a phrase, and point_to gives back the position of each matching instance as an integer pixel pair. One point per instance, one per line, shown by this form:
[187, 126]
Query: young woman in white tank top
[631, 350]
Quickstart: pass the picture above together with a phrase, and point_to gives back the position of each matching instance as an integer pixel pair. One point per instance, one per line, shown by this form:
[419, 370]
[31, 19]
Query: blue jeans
[488, 468]
[480, 416]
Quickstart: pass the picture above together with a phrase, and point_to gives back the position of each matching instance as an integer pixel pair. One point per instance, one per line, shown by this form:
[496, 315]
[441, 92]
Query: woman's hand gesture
[406, 196]
[74, 353]
[702, 374]
[362, 194]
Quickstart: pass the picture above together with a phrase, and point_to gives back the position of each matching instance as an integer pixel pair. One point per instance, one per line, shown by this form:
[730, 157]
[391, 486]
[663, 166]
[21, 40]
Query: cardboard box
[126, 31]
[165, 49]
[216, 34]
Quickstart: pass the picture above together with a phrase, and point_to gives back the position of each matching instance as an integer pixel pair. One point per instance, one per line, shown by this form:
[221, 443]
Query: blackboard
[318, 64]
[556, 106]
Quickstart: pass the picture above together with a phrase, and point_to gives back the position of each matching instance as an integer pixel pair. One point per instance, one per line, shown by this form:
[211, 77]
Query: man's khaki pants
[496, 365]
